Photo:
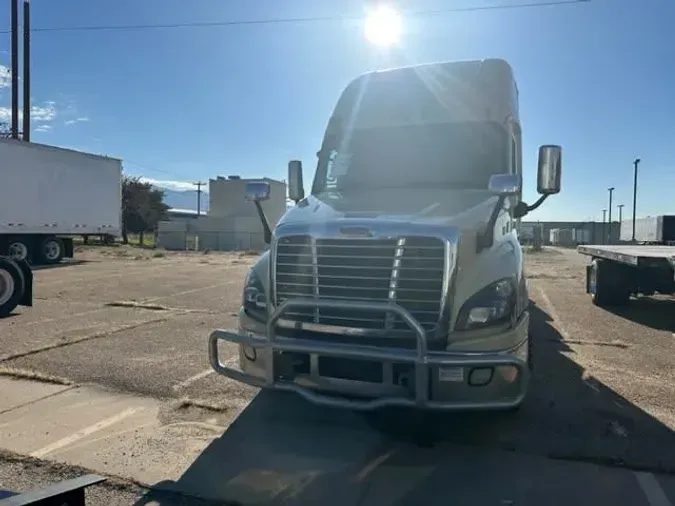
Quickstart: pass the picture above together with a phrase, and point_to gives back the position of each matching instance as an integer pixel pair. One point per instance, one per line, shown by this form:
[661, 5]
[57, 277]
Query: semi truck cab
[399, 280]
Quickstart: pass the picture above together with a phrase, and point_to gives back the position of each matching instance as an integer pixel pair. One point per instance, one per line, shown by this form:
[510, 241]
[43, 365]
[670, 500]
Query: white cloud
[5, 77]
[76, 120]
[44, 113]
[44, 128]
[169, 185]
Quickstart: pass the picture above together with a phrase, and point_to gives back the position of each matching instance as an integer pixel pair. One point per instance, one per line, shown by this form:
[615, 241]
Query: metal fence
[213, 241]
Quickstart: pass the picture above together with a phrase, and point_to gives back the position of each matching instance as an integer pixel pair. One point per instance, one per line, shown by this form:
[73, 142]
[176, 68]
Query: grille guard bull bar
[421, 358]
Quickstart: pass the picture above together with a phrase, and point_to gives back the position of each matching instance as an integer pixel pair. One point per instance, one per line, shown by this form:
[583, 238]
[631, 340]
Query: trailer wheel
[606, 284]
[51, 250]
[18, 248]
[12, 286]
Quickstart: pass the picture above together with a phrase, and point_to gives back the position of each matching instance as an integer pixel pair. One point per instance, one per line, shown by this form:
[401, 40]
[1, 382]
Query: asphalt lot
[109, 372]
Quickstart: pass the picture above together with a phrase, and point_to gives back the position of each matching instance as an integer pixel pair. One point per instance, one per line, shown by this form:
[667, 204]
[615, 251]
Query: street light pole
[604, 222]
[620, 206]
[610, 190]
[636, 162]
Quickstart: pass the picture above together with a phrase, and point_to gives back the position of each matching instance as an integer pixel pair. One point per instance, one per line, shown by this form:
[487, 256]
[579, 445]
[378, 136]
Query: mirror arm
[267, 231]
[486, 238]
[522, 208]
[539, 202]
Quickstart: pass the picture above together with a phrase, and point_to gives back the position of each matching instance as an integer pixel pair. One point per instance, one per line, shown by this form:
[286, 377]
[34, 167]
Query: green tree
[142, 207]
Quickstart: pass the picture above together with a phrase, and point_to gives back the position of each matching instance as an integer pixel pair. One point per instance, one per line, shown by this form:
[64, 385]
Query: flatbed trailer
[617, 272]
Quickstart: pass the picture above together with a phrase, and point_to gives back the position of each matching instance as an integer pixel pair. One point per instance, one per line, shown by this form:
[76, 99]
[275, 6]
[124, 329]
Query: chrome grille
[407, 270]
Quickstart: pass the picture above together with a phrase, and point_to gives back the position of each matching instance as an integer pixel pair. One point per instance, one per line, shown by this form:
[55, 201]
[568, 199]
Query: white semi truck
[50, 194]
[399, 280]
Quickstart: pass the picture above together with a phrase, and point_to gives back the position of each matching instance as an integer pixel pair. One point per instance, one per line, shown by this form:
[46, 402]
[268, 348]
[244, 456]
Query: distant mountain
[185, 199]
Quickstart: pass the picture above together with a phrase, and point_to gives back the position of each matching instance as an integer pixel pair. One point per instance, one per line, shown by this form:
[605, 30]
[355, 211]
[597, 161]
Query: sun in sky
[383, 26]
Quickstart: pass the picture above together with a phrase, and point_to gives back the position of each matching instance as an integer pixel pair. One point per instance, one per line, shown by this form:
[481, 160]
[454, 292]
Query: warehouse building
[232, 223]
[586, 232]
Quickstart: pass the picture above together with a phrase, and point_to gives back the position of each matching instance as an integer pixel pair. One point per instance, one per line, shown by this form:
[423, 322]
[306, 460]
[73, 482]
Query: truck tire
[606, 284]
[51, 250]
[12, 285]
[19, 248]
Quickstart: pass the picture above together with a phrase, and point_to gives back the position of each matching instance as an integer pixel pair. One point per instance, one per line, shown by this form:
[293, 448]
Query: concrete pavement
[132, 395]
[281, 450]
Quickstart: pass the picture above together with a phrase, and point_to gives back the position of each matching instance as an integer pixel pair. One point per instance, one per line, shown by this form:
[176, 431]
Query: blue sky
[191, 103]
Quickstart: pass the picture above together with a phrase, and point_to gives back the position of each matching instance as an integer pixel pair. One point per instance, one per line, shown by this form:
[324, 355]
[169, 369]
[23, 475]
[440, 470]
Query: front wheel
[51, 250]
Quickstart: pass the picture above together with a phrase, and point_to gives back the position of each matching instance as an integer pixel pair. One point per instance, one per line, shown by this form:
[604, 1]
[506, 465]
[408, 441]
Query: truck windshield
[449, 155]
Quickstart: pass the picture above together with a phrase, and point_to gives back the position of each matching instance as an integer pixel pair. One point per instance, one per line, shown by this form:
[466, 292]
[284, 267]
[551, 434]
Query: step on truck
[49, 195]
[399, 280]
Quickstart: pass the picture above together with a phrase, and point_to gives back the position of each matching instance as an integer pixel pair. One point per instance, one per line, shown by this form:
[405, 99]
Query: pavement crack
[28, 374]
[586, 342]
[138, 305]
[98, 335]
[39, 399]
[156, 307]
[615, 462]
[201, 404]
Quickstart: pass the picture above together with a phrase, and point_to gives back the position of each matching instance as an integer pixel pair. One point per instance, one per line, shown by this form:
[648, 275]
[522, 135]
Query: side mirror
[296, 188]
[549, 169]
[257, 191]
[504, 184]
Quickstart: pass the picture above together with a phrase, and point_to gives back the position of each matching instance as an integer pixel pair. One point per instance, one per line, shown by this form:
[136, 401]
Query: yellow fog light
[508, 372]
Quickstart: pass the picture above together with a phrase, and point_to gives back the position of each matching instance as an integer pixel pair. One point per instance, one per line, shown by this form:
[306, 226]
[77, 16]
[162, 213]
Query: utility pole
[26, 70]
[604, 224]
[199, 185]
[620, 206]
[610, 190]
[636, 162]
[15, 68]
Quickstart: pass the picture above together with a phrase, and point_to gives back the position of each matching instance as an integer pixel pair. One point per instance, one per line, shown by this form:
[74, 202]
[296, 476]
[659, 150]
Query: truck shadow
[281, 449]
[657, 313]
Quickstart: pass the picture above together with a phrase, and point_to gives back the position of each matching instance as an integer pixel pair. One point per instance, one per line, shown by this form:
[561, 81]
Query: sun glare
[383, 26]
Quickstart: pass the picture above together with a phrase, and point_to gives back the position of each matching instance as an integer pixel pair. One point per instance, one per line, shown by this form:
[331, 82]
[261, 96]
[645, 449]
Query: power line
[199, 185]
[312, 19]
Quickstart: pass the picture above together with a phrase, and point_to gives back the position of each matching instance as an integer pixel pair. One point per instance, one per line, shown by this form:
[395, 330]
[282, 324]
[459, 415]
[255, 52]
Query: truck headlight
[492, 305]
[254, 299]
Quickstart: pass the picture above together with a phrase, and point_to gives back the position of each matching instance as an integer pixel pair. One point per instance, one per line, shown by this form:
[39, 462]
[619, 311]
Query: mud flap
[68, 249]
[27, 297]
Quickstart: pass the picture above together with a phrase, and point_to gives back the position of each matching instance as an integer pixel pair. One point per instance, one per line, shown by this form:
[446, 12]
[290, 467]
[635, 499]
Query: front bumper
[441, 379]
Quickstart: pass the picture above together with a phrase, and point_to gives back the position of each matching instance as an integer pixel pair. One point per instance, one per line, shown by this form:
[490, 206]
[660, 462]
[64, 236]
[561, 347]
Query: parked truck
[49, 195]
[399, 280]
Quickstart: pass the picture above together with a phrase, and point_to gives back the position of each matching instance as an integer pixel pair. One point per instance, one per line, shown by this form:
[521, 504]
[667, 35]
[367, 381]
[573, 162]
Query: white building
[227, 199]
[232, 222]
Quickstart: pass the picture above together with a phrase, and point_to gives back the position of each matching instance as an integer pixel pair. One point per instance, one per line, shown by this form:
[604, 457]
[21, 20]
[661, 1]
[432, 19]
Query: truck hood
[464, 209]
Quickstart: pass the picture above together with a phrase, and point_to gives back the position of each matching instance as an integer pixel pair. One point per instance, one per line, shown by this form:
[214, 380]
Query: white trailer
[49, 194]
